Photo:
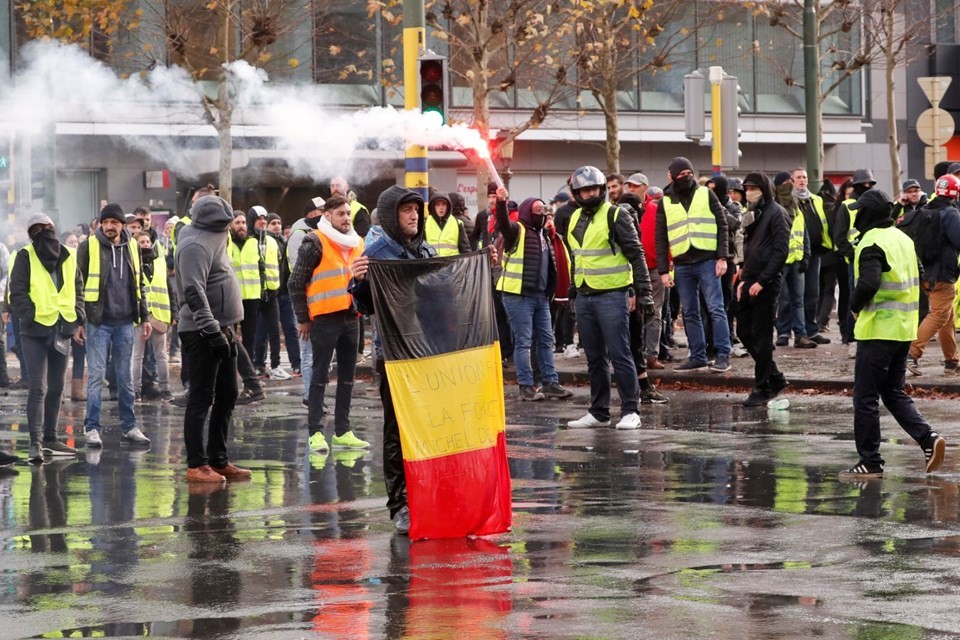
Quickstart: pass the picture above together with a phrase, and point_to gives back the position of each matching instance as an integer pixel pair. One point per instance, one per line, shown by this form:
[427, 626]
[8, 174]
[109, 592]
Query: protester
[327, 316]
[401, 216]
[46, 293]
[443, 231]
[114, 303]
[766, 244]
[886, 304]
[790, 315]
[818, 233]
[160, 302]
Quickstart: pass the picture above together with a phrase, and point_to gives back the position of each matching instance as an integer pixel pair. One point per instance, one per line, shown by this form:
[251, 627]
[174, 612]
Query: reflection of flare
[492, 170]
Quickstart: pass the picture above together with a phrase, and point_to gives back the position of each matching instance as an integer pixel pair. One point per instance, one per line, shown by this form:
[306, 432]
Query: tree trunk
[893, 136]
[612, 124]
[225, 131]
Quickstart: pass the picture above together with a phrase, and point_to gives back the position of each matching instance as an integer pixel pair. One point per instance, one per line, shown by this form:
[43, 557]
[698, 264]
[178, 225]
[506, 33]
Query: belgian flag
[442, 356]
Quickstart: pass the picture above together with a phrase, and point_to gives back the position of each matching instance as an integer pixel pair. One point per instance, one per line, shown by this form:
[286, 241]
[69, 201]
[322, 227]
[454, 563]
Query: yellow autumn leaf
[388, 62]
[293, 63]
[213, 51]
[264, 57]
[463, 20]
[719, 42]
[335, 50]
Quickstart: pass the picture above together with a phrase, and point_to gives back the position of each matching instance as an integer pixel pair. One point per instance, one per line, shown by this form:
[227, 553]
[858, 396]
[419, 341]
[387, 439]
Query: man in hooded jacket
[885, 303]
[766, 242]
[845, 237]
[211, 308]
[401, 215]
[442, 230]
[527, 283]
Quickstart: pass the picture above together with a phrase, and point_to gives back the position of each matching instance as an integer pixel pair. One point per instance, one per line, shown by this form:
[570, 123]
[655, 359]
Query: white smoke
[62, 84]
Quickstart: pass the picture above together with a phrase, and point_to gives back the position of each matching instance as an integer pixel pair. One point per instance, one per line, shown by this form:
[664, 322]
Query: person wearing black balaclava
[765, 246]
[692, 230]
[734, 238]
[790, 316]
[527, 283]
[845, 237]
[51, 310]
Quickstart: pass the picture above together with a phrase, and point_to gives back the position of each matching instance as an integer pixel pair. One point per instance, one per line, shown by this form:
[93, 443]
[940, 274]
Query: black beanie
[113, 211]
[940, 169]
[677, 165]
[781, 177]
[491, 188]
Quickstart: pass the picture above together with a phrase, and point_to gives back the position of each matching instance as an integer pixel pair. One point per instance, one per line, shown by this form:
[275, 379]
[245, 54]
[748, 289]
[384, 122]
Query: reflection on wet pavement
[711, 521]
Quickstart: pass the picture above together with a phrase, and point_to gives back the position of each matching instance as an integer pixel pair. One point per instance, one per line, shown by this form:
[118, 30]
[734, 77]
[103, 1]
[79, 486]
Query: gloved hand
[218, 344]
[572, 295]
[649, 309]
[804, 264]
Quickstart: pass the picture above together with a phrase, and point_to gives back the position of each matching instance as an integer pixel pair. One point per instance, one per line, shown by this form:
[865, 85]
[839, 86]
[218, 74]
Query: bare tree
[615, 42]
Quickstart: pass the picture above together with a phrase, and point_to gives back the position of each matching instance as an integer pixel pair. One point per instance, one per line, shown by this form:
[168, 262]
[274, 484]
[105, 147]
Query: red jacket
[648, 234]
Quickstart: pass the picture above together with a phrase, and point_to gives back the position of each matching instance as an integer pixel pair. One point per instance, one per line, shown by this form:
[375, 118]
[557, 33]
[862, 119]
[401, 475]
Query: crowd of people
[604, 269]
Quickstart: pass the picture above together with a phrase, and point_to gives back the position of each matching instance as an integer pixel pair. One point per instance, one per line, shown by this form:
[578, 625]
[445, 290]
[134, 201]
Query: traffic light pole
[811, 62]
[716, 77]
[414, 42]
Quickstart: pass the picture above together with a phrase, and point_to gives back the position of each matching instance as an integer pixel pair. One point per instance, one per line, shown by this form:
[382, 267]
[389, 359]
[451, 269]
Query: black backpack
[923, 227]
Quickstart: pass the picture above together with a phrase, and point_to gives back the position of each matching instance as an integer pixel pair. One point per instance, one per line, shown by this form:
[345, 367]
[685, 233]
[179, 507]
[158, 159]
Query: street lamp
[506, 155]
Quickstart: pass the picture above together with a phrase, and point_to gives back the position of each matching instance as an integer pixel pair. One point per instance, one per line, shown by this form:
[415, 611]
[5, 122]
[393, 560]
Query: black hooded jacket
[766, 243]
[537, 248]
[23, 307]
[115, 263]
[946, 269]
[693, 255]
[873, 261]
[463, 245]
[391, 244]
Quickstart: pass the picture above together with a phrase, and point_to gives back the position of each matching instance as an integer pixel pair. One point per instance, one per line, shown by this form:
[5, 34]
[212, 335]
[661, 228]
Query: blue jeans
[306, 366]
[604, 326]
[791, 310]
[531, 326]
[692, 279]
[100, 338]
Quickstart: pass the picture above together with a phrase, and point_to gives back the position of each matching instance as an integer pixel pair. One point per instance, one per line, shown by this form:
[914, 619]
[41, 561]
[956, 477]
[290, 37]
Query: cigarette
[492, 170]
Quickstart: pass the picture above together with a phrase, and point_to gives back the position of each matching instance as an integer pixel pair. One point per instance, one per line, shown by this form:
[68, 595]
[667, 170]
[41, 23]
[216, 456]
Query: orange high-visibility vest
[327, 291]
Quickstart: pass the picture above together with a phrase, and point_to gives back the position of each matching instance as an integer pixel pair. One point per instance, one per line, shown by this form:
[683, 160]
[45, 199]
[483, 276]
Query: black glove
[572, 294]
[218, 344]
[804, 264]
[649, 309]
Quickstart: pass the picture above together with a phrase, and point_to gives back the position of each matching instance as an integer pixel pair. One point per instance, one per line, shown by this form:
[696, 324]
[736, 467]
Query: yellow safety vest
[696, 227]
[852, 233]
[271, 264]
[818, 207]
[596, 263]
[91, 288]
[797, 231]
[355, 208]
[511, 278]
[49, 303]
[157, 294]
[246, 264]
[894, 312]
[446, 239]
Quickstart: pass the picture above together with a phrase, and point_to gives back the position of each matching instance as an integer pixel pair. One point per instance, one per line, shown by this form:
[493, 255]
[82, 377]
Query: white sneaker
[852, 350]
[571, 351]
[629, 421]
[738, 352]
[135, 436]
[587, 422]
[279, 374]
[93, 438]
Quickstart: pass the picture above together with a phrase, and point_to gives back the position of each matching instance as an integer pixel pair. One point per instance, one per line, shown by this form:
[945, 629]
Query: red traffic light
[431, 71]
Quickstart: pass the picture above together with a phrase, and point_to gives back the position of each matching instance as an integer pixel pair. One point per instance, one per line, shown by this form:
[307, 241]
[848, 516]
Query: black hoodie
[22, 306]
[539, 266]
[692, 255]
[873, 261]
[118, 302]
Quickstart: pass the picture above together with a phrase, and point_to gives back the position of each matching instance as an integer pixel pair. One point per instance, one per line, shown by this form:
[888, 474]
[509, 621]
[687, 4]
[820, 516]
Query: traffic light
[433, 85]
[693, 107]
[729, 122]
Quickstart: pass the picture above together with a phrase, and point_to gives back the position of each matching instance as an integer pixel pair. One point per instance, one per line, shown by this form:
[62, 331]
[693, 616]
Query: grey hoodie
[207, 286]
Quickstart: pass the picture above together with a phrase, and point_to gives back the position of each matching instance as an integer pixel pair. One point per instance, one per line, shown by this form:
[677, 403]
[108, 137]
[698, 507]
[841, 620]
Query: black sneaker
[933, 452]
[951, 368]
[861, 470]
[555, 391]
[757, 398]
[819, 339]
[6, 458]
[721, 365]
[653, 396]
[777, 386]
[181, 400]
[530, 394]
[55, 448]
[250, 395]
[693, 365]
[782, 341]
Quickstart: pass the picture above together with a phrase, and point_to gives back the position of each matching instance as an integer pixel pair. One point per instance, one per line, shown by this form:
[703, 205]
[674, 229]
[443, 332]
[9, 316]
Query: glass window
[663, 66]
[725, 39]
[945, 17]
[345, 53]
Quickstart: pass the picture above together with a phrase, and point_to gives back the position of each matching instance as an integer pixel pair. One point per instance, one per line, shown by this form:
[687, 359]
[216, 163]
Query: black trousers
[393, 474]
[637, 343]
[333, 332]
[46, 368]
[756, 317]
[268, 328]
[248, 328]
[245, 367]
[879, 374]
[563, 323]
[213, 392]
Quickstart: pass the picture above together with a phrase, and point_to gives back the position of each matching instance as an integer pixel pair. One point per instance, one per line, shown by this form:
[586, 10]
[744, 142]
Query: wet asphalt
[712, 521]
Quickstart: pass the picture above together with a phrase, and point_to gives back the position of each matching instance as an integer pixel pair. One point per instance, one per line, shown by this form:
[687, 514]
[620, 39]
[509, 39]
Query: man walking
[46, 293]
[886, 304]
[692, 228]
[210, 310]
[328, 318]
[610, 280]
[109, 262]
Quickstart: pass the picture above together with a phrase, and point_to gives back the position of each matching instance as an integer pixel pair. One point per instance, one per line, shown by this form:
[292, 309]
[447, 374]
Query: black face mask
[47, 246]
[313, 222]
[684, 184]
[148, 254]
